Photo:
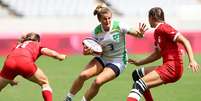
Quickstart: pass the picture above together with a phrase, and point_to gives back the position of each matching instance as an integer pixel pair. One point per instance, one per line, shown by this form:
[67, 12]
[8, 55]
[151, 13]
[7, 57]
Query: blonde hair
[101, 9]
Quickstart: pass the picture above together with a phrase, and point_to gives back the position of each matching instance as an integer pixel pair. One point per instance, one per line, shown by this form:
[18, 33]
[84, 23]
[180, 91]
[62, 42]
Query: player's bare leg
[3, 82]
[40, 78]
[107, 75]
[150, 80]
[92, 69]
[147, 94]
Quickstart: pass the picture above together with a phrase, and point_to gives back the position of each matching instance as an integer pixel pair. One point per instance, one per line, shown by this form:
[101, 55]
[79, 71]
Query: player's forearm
[151, 58]
[135, 33]
[189, 50]
[181, 39]
[52, 53]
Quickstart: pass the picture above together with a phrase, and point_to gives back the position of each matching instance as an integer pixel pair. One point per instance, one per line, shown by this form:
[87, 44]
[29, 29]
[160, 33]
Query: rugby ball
[94, 45]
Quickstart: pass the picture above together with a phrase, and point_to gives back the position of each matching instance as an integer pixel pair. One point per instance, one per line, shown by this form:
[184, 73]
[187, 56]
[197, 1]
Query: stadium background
[64, 23]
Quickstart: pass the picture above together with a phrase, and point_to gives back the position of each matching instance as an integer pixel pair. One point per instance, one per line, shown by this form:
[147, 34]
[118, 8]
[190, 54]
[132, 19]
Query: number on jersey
[23, 45]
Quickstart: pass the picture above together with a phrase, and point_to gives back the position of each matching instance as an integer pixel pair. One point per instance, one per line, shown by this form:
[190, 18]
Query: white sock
[46, 87]
[83, 99]
[70, 95]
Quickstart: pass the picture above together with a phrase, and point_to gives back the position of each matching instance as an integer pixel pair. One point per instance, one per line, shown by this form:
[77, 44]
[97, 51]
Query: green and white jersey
[113, 41]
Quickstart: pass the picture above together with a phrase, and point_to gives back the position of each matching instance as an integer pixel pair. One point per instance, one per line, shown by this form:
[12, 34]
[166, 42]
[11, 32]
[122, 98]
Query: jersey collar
[158, 25]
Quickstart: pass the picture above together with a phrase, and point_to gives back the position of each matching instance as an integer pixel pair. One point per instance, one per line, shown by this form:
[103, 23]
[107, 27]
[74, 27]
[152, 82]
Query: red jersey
[30, 49]
[165, 37]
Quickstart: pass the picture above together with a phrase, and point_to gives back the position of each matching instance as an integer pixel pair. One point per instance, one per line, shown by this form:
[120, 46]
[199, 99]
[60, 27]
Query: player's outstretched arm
[140, 32]
[52, 53]
[151, 58]
[192, 62]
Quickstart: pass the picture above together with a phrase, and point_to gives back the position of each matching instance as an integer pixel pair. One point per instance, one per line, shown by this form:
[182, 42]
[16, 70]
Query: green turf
[62, 74]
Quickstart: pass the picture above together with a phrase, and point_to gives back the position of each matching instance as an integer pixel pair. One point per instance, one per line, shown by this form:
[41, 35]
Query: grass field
[62, 74]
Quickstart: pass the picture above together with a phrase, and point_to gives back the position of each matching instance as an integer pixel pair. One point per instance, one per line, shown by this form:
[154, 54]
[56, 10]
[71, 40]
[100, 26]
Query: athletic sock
[47, 93]
[131, 99]
[134, 95]
[83, 99]
[137, 74]
[69, 97]
[147, 95]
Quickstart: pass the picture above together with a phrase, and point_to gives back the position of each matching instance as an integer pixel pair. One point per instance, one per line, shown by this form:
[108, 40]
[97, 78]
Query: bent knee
[43, 81]
[84, 76]
[98, 82]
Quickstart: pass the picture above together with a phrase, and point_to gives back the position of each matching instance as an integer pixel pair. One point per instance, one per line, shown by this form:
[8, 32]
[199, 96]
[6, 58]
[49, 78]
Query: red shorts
[170, 71]
[19, 65]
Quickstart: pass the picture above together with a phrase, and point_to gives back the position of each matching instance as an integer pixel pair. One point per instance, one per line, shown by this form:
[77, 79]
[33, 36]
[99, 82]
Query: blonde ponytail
[97, 10]
[101, 9]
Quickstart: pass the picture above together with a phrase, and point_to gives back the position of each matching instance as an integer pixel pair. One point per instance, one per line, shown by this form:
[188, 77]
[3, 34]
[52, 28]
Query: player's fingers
[197, 68]
[190, 67]
[139, 25]
[143, 25]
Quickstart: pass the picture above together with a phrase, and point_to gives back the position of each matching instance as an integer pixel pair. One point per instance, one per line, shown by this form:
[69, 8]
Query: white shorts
[117, 65]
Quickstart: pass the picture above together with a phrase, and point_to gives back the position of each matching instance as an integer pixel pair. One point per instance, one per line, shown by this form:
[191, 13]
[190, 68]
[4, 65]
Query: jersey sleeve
[171, 33]
[40, 49]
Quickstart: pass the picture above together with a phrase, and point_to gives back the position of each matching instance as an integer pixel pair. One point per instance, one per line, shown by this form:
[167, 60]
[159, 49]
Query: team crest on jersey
[116, 36]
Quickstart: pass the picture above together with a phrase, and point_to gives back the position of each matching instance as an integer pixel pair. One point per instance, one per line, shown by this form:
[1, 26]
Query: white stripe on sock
[83, 99]
[141, 85]
[46, 87]
[135, 95]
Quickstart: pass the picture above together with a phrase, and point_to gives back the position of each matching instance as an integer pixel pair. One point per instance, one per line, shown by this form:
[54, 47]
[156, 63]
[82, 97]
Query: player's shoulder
[163, 26]
[166, 25]
[97, 29]
[33, 43]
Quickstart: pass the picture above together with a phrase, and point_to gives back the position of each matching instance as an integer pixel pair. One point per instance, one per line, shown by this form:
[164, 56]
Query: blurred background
[64, 23]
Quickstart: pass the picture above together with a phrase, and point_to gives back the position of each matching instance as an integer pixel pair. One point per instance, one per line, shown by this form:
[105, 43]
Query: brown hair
[30, 36]
[157, 13]
[101, 10]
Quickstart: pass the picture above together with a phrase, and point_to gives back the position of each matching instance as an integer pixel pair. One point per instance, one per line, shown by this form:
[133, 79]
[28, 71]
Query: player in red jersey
[21, 60]
[166, 42]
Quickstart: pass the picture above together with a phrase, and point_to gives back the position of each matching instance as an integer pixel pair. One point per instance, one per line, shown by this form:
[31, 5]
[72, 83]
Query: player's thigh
[39, 77]
[152, 79]
[106, 75]
[94, 67]
[149, 69]
[3, 82]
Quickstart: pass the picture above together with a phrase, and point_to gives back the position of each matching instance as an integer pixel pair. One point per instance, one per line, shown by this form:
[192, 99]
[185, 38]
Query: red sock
[131, 99]
[147, 95]
[47, 95]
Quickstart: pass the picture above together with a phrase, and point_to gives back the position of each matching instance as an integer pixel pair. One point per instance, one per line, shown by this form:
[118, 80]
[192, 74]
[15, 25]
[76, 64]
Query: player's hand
[135, 62]
[87, 51]
[61, 57]
[142, 30]
[194, 66]
[13, 83]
